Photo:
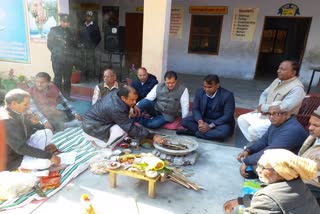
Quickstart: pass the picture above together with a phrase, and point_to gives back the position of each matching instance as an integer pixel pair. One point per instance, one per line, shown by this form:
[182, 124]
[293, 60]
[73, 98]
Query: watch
[211, 125]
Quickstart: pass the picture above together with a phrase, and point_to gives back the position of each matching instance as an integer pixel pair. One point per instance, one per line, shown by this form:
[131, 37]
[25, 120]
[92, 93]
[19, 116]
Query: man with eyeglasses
[287, 88]
[285, 132]
[282, 190]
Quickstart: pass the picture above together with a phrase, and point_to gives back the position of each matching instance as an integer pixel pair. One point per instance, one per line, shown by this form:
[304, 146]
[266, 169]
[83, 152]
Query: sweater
[289, 135]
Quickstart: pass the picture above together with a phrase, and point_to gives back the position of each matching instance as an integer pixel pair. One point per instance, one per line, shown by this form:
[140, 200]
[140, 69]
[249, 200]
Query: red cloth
[175, 125]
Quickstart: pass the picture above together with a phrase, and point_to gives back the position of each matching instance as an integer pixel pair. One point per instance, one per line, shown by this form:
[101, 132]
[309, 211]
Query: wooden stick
[179, 182]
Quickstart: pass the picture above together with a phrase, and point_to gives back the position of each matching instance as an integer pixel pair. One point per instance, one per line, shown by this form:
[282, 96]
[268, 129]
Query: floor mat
[69, 140]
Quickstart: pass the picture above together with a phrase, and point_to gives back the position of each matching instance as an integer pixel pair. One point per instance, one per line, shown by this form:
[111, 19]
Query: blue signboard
[14, 44]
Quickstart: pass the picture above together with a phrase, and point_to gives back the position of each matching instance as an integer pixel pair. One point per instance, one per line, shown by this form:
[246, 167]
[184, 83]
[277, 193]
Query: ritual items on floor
[51, 181]
[179, 178]
[177, 145]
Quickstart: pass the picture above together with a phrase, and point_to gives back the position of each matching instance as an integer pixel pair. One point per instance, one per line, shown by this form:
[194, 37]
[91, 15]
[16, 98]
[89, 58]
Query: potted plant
[76, 75]
[132, 74]
[10, 83]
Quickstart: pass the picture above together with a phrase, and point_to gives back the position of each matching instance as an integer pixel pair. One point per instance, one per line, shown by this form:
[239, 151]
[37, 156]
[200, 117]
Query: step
[82, 92]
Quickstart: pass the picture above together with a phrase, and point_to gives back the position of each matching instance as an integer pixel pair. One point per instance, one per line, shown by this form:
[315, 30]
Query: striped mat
[69, 140]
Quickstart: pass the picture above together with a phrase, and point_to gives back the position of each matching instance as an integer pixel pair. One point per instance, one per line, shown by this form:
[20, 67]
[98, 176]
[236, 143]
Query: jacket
[223, 107]
[18, 131]
[111, 110]
[145, 88]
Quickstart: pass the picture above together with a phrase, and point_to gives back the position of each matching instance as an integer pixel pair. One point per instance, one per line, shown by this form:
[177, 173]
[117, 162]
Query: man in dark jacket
[89, 37]
[285, 132]
[25, 138]
[61, 44]
[144, 83]
[212, 112]
[113, 117]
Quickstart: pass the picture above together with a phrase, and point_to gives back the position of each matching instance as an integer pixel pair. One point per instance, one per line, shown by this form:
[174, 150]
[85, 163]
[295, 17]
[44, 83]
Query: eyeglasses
[273, 114]
[264, 168]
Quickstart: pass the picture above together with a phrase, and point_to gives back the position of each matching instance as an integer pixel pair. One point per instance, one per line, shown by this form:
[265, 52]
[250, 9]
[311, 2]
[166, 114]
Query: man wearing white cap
[282, 190]
[90, 38]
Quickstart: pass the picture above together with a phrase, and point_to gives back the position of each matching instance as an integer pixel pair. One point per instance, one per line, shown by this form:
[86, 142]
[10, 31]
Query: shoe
[185, 132]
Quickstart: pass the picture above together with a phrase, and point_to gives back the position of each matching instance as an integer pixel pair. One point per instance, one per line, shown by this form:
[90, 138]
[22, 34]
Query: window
[205, 34]
[273, 41]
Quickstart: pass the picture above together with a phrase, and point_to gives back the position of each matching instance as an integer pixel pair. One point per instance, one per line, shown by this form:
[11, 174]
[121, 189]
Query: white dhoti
[40, 139]
[116, 133]
[253, 125]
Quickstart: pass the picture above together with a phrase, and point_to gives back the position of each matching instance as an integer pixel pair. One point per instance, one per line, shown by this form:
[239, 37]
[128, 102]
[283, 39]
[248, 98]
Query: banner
[14, 44]
[176, 22]
[244, 24]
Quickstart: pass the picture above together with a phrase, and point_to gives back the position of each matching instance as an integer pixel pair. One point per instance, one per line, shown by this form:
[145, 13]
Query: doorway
[282, 38]
[134, 30]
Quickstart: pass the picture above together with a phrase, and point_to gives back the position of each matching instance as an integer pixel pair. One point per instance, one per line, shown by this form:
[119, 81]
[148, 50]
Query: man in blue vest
[212, 112]
[164, 102]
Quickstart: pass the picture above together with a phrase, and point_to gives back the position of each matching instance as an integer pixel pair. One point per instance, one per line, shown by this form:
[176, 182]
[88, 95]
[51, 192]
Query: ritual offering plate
[113, 165]
[177, 145]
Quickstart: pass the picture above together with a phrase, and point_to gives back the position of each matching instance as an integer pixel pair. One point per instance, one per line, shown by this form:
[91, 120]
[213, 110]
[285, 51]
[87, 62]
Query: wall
[39, 53]
[238, 59]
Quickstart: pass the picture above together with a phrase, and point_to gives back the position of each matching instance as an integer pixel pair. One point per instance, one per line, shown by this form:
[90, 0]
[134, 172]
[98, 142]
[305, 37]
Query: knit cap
[288, 165]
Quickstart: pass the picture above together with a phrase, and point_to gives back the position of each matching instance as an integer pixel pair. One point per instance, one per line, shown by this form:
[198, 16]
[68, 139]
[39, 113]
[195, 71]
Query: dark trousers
[62, 76]
[89, 63]
[315, 191]
[218, 133]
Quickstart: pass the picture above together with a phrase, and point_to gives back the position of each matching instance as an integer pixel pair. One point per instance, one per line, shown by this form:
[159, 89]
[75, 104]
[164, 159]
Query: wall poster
[42, 15]
[14, 46]
[244, 24]
[176, 22]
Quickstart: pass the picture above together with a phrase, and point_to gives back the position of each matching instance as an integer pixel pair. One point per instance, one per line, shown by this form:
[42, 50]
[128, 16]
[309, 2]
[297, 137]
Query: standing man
[26, 139]
[109, 84]
[90, 38]
[287, 88]
[311, 149]
[46, 96]
[144, 83]
[165, 102]
[112, 118]
[285, 132]
[61, 44]
[212, 112]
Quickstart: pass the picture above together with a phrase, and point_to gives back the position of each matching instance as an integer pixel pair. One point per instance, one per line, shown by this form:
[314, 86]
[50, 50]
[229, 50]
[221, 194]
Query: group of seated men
[115, 113]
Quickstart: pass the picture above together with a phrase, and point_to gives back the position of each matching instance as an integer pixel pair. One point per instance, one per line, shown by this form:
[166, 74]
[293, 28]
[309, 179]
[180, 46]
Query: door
[282, 38]
[134, 30]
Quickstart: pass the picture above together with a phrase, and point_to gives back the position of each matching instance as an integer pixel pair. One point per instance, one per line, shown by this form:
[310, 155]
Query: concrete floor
[217, 170]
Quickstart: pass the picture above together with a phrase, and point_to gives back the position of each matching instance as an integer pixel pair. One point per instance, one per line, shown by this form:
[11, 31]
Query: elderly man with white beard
[283, 190]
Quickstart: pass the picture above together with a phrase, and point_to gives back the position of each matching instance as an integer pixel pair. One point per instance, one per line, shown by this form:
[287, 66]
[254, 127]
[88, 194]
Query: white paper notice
[67, 157]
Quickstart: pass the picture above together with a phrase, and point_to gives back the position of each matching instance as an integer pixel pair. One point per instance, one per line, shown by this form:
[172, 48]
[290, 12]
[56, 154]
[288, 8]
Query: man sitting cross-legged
[26, 140]
[109, 83]
[287, 88]
[45, 100]
[284, 132]
[165, 102]
[144, 83]
[112, 118]
[212, 112]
